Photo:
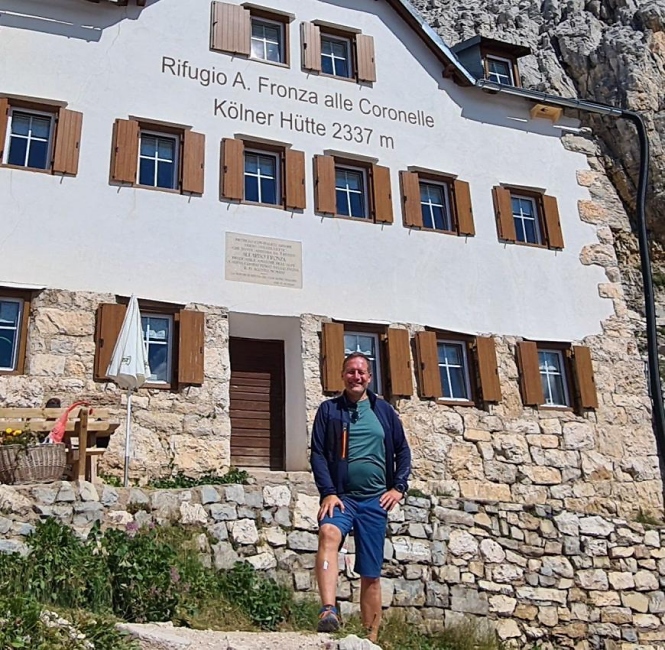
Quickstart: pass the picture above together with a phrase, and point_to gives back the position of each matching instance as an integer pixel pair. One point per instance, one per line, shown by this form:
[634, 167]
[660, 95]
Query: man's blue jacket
[330, 464]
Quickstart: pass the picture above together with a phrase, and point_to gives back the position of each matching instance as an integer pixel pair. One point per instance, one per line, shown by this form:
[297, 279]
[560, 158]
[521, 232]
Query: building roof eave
[438, 46]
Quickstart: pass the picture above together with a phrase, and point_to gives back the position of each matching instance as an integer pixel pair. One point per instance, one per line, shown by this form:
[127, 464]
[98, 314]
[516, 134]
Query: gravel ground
[166, 637]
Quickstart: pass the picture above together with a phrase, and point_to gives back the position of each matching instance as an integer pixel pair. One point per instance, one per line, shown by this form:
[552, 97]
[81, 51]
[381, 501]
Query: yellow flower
[17, 432]
[8, 431]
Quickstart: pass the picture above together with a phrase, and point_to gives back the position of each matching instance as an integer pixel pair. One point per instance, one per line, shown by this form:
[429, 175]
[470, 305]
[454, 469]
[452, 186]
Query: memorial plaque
[262, 260]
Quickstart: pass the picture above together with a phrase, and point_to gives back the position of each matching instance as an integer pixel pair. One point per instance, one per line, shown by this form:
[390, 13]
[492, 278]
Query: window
[10, 332]
[336, 56]
[30, 136]
[435, 206]
[261, 178]
[525, 214]
[174, 339]
[454, 370]
[457, 368]
[527, 217]
[500, 70]
[351, 192]
[338, 51]
[157, 335]
[260, 34]
[368, 344]
[263, 173]
[346, 187]
[436, 202]
[553, 377]
[388, 349]
[39, 137]
[268, 40]
[166, 157]
[14, 313]
[158, 161]
[556, 375]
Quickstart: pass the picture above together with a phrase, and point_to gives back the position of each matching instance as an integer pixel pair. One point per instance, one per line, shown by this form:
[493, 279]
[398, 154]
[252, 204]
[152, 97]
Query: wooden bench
[86, 426]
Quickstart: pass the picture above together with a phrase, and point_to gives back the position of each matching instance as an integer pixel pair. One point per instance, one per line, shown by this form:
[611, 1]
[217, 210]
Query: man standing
[361, 463]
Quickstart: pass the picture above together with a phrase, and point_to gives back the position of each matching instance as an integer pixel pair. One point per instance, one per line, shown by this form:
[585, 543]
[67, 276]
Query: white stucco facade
[85, 233]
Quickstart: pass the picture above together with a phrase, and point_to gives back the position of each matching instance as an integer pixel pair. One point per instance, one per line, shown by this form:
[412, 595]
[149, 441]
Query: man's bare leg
[370, 606]
[330, 537]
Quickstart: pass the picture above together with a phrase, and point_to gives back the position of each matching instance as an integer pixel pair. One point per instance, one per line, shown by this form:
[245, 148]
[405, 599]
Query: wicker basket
[32, 464]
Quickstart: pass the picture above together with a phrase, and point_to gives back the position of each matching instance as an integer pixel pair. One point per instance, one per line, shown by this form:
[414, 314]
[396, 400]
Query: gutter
[656, 391]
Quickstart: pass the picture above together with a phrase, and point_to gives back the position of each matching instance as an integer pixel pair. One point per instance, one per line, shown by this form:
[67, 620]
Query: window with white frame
[268, 40]
[435, 206]
[368, 344]
[351, 192]
[527, 219]
[158, 337]
[454, 370]
[29, 139]
[553, 377]
[500, 70]
[158, 160]
[262, 184]
[11, 312]
[336, 56]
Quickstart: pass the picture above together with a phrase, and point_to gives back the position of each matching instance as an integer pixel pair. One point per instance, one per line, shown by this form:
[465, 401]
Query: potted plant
[26, 458]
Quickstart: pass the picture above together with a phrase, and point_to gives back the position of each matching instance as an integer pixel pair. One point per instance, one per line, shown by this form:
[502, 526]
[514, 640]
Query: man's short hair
[357, 355]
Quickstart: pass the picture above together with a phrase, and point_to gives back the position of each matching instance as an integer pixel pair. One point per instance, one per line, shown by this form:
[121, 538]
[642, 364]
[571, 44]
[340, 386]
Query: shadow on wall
[474, 104]
[78, 19]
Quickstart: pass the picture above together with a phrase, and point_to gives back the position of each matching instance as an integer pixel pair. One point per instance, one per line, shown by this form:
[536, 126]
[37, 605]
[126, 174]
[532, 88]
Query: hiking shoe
[328, 619]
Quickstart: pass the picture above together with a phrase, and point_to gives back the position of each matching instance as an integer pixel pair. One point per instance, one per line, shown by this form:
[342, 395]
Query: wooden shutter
[233, 169]
[125, 153]
[488, 369]
[23, 335]
[413, 214]
[366, 58]
[4, 120]
[586, 383]
[429, 376]
[193, 162]
[191, 347]
[67, 142]
[399, 362]
[382, 193]
[463, 209]
[324, 184]
[332, 356]
[109, 322]
[231, 29]
[552, 222]
[503, 208]
[311, 47]
[529, 369]
[294, 162]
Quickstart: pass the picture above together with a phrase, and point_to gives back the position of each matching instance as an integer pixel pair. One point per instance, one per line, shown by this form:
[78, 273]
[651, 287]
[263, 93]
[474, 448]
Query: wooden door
[257, 403]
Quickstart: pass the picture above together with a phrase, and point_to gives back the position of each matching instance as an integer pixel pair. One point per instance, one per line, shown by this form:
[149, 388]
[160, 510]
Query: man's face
[357, 377]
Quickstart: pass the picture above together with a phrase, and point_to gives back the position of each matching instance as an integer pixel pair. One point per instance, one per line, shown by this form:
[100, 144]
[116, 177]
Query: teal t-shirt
[367, 454]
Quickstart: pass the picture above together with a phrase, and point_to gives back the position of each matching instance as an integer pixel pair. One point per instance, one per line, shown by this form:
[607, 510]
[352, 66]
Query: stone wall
[536, 573]
[187, 429]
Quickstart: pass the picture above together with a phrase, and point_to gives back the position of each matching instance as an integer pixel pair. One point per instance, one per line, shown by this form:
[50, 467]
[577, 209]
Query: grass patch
[181, 480]
[397, 634]
[647, 519]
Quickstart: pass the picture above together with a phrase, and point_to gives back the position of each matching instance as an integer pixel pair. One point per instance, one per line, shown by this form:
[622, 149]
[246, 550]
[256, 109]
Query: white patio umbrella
[129, 366]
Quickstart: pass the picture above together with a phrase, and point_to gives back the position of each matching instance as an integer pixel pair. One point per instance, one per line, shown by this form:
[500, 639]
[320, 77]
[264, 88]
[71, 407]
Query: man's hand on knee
[328, 506]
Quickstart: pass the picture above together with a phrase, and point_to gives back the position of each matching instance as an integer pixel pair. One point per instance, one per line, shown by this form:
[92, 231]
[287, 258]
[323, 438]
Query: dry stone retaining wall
[537, 573]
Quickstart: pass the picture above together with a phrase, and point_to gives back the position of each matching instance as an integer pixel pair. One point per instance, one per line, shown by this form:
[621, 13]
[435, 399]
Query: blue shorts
[368, 521]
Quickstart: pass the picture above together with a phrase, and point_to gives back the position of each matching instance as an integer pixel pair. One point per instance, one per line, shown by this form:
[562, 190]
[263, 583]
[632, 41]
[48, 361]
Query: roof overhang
[452, 67]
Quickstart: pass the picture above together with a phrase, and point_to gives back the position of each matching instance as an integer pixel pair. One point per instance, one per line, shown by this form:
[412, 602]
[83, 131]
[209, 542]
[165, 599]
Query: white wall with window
[170, 247]
[29, 139]
[262, 177]
[268, 40]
